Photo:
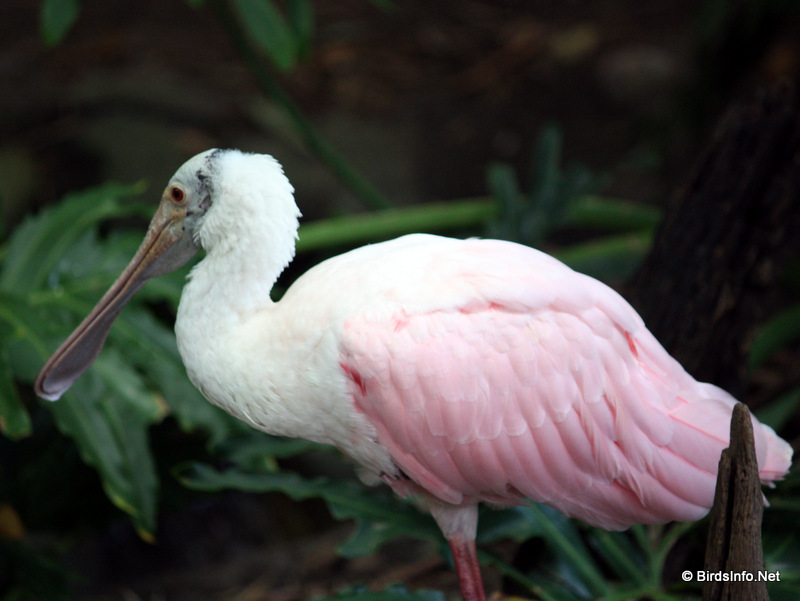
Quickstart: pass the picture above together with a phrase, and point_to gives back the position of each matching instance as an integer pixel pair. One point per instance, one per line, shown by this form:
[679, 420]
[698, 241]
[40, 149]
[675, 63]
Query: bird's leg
[465, 558]
[459, 524]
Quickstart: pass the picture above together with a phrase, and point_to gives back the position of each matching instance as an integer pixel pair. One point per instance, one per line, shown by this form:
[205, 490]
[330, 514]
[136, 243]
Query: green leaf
[780, 410]
[111, 435]
[301, 18]
[346, 500]
[516, 523]
[39, 244]
[15, 423]
[607, 258]
[380, 225]
[269, 30]
[368, 537]
[127, 384]
[150, 346]
[560, 532]
[780, 331]
[30, 573]
[256, 451]
[611, 214]
[545, 203]
[546, 170]
[56, 19]
[504, 188]
[25, 335]
[617, 551]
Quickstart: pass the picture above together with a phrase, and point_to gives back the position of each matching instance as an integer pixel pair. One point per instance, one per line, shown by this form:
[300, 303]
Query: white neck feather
[248, 234]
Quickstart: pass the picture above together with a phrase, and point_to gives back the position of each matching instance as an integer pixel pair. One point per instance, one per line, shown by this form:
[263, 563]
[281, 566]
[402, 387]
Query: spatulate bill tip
[48, 390]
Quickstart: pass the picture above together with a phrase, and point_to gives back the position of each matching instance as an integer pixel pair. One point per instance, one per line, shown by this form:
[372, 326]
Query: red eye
[177, 194]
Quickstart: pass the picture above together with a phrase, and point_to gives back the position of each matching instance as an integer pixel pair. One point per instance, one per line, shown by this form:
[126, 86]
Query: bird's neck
[231, 283]
[226, 291]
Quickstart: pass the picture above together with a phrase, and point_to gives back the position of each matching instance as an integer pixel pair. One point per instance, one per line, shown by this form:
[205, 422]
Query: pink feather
[547, 387]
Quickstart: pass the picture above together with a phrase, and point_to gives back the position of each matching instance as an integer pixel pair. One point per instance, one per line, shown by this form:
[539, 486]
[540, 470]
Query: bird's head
[194, 211]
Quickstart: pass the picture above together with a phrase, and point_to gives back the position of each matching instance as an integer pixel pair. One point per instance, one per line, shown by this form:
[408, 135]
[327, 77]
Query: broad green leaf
[780, 331]
[56, 19]
[30, 573]
[111, 435]
[346, 500]
[780, 410]
[617, 551]
[26, 332]
[301, 18]
[504, 188]
[368, 537]
[546, 173]
[782, 554]
[612, 257]
[388, 223]
[126, 384]
[552, 588]
[560, 532]
[200, 476]
[269, 30]
[516, 523]
[380, 517]
[39, 243]
[611, 214]
[151, 347]
[15, 422]
[545, 203]
[257, 451]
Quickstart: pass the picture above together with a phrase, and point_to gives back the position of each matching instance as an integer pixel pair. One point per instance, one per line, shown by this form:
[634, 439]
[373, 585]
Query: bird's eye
[178, 195]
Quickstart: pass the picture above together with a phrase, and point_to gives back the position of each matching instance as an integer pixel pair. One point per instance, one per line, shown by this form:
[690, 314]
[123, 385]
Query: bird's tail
[712, 414]
[778, 458]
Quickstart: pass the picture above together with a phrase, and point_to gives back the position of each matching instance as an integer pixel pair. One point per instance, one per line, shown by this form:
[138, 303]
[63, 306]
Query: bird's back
[493, 372]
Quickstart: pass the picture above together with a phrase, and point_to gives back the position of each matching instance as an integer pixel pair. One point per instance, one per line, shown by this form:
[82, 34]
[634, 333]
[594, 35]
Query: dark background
[421, 98]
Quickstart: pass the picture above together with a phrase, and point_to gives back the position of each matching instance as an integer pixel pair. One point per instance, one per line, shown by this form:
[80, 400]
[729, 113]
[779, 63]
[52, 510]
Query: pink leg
[459, 524]
[469, 573]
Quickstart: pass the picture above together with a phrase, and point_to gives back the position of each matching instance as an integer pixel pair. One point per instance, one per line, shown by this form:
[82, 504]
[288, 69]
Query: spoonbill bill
[458, 371]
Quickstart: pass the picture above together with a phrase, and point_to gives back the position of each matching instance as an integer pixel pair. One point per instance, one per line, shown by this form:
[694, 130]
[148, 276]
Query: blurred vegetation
[56, 264]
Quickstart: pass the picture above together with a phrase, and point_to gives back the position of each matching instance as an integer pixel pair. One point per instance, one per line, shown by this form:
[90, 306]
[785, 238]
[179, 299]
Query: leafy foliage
[55, 267]
[578, 563]
[58, 263]
[57, 18]
[286, 39]
[560, 199]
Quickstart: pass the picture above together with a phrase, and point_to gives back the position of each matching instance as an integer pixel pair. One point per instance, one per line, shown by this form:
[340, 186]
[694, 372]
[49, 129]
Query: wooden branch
[734, 536]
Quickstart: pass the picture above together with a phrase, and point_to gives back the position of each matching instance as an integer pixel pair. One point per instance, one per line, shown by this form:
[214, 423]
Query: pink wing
[559, 404]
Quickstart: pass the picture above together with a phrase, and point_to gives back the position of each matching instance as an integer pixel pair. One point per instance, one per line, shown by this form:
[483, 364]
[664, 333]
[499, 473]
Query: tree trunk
[704, 287]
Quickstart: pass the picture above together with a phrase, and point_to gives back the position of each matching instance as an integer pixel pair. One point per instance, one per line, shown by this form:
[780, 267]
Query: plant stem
[381, 225]
[509, 571]
[312, 138]
[591, 576]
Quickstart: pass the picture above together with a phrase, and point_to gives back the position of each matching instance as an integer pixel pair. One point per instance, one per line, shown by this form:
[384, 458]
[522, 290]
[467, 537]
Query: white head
[230, 194]
[222, 200]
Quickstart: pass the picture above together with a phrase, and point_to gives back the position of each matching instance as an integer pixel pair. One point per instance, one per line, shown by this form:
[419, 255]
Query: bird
[458, 372]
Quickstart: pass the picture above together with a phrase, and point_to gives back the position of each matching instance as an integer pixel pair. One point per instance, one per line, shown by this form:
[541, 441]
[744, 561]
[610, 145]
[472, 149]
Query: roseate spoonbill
[458, 371]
